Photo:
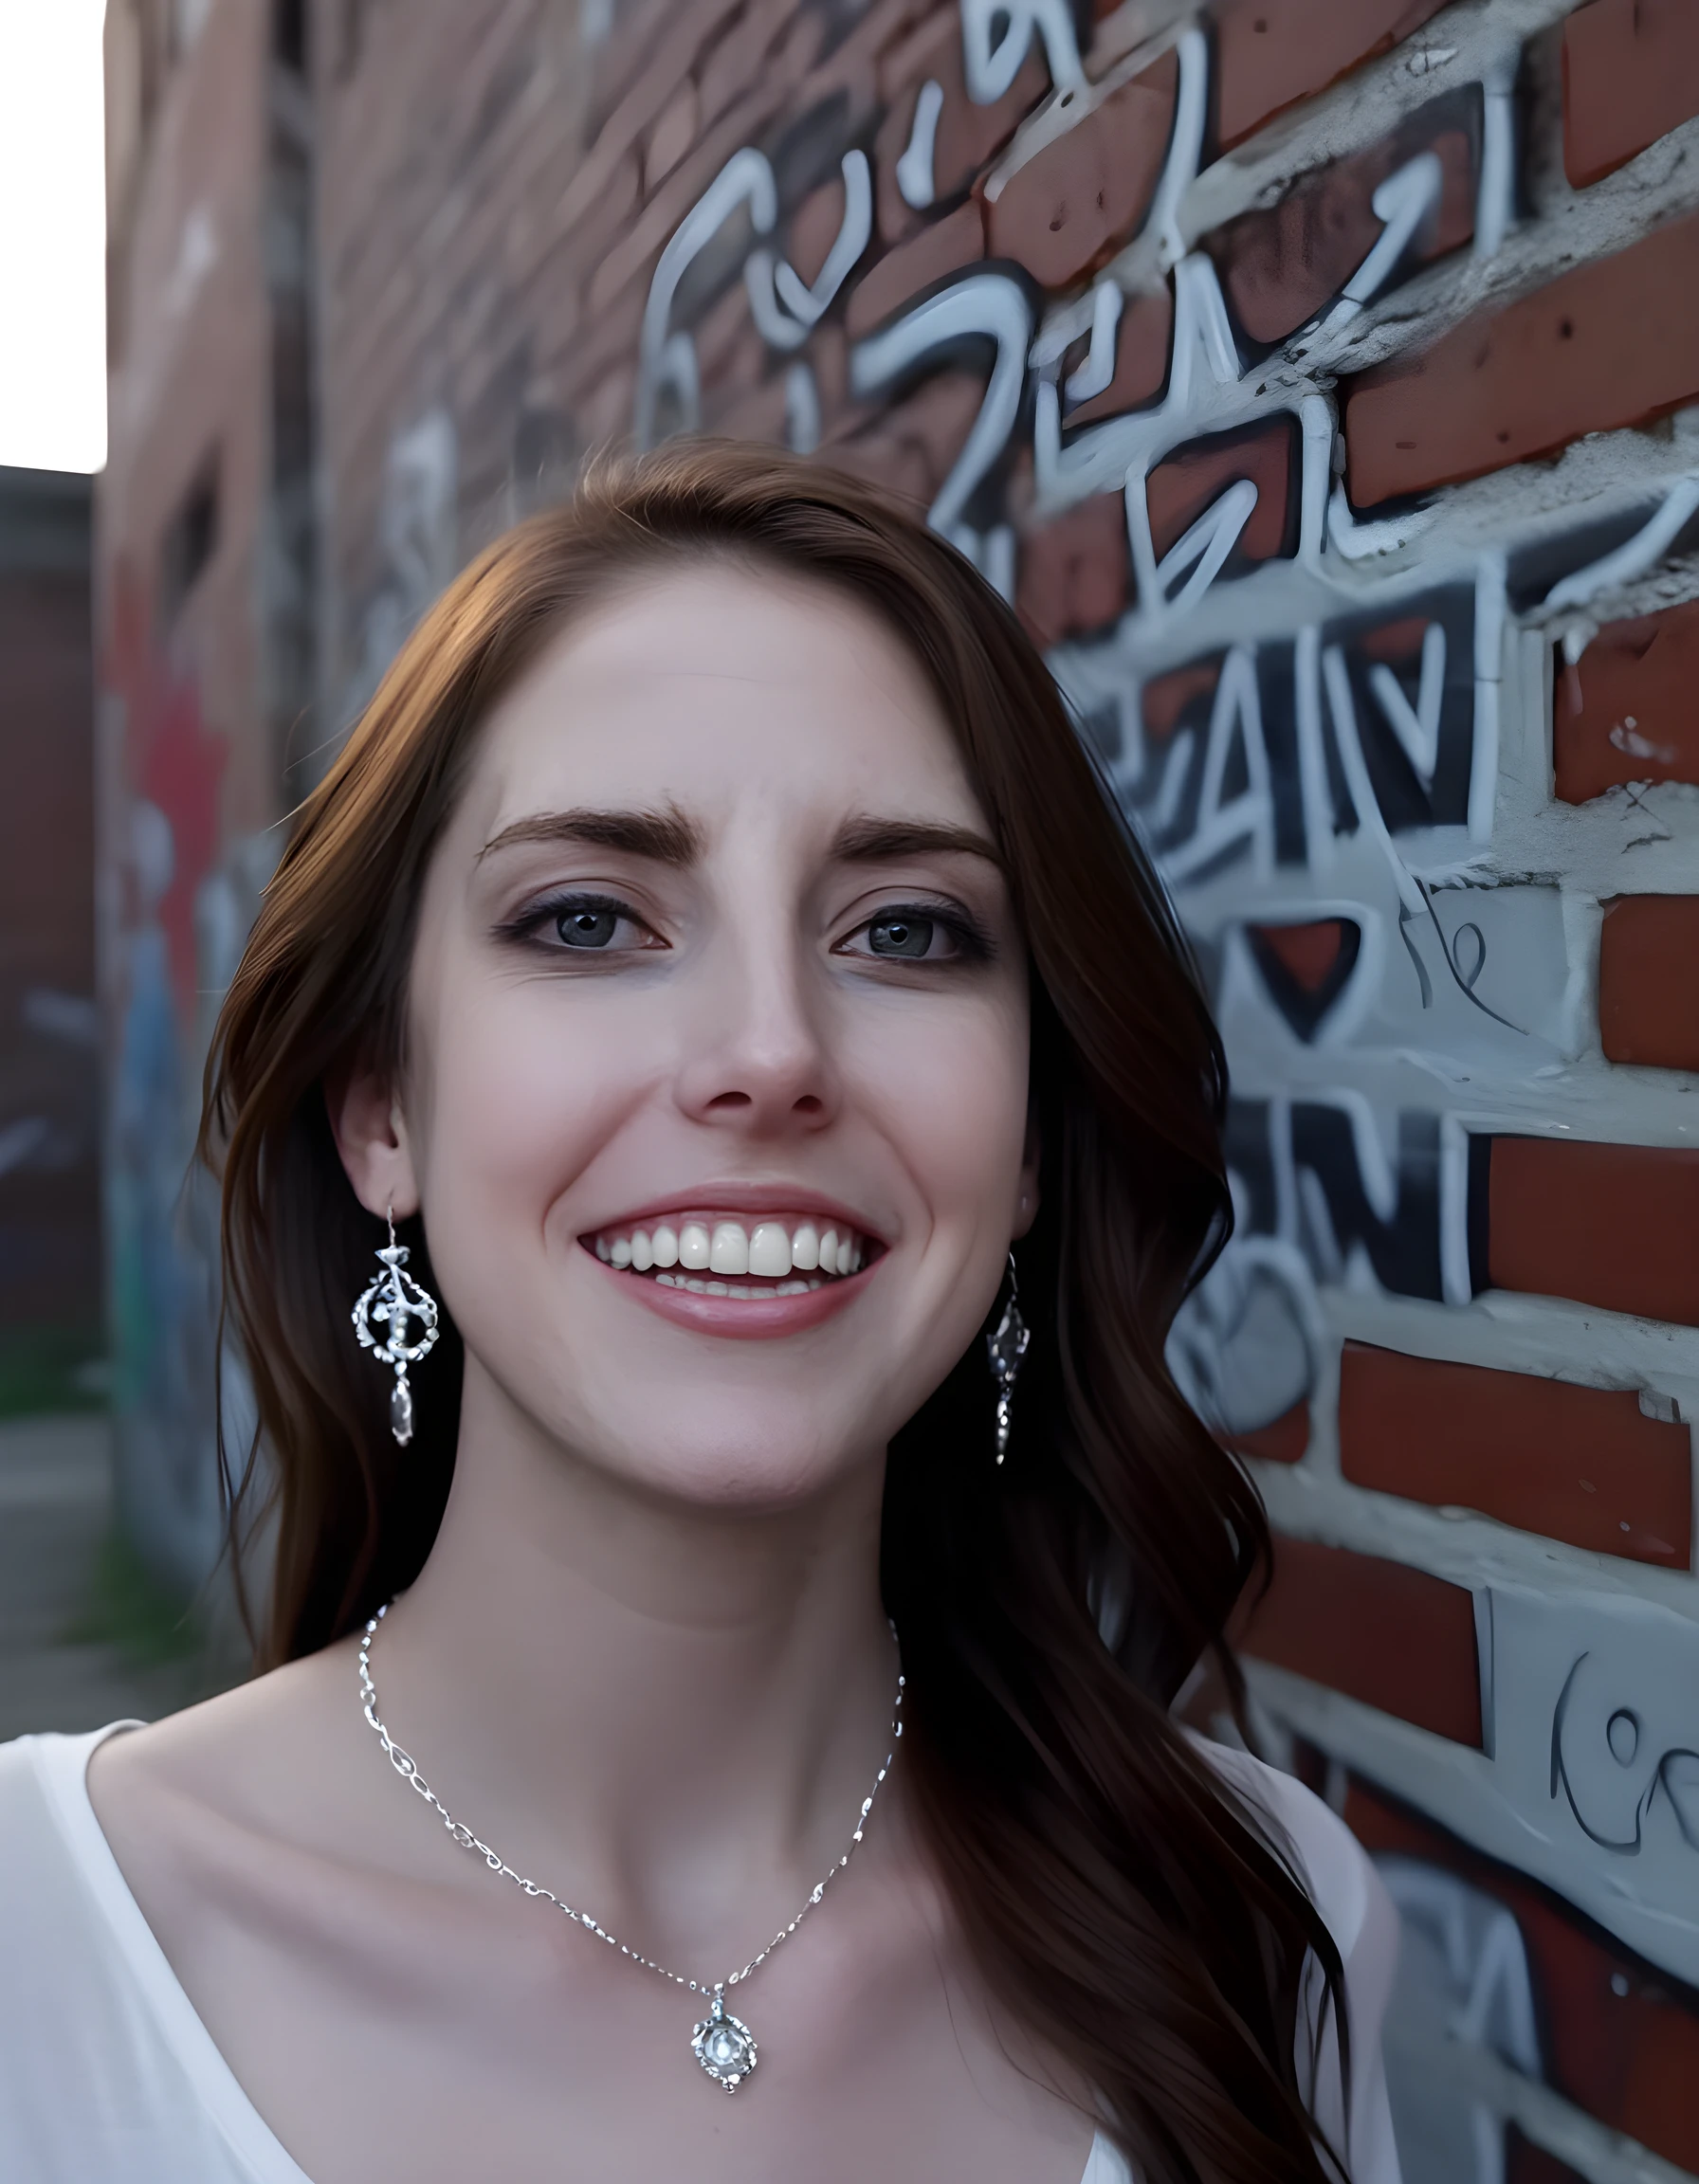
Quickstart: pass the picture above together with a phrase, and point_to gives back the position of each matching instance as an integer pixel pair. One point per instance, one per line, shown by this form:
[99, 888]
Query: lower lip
[753, 1318]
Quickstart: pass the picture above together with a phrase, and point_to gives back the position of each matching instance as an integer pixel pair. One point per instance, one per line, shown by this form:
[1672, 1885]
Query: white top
[108, 2077]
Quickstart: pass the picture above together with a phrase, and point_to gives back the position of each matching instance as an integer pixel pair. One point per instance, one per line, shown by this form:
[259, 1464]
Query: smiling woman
[716, 960]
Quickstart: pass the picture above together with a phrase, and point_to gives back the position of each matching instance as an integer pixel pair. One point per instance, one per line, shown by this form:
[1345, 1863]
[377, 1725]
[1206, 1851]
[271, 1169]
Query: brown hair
[1125, 1904]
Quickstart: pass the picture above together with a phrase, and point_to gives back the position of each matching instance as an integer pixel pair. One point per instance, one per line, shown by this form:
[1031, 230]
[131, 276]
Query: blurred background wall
[1320, 380]
[50, 1261]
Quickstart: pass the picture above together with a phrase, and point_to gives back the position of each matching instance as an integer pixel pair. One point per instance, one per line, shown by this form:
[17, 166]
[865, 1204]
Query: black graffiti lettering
[1404, 1246]
[1419, 753]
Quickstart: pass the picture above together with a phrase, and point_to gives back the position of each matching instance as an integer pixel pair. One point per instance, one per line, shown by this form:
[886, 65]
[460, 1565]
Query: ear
[1026, 1204]
[370, 1133]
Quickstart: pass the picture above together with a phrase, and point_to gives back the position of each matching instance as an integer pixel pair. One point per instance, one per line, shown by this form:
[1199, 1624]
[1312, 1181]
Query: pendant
[724, 2046]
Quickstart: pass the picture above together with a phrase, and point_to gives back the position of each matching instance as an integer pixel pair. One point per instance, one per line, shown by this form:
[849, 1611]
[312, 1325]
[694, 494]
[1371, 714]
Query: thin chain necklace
[722, 2044]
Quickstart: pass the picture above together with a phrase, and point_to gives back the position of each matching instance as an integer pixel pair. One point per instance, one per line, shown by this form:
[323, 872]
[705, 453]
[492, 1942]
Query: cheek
[949, 1086]
[521, 1093]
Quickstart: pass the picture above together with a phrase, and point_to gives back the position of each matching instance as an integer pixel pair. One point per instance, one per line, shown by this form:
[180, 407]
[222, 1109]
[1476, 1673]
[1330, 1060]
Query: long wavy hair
[1121, 1900]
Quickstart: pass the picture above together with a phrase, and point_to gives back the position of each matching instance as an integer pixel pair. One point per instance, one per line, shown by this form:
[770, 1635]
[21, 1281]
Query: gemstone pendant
[724, 2046]
[401, 1411]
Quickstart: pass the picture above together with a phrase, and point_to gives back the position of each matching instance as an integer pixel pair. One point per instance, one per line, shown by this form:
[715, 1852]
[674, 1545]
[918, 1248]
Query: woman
[711, 977]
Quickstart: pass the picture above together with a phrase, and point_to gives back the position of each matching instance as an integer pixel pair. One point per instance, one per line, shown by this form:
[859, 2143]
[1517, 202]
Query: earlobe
[370, 1128]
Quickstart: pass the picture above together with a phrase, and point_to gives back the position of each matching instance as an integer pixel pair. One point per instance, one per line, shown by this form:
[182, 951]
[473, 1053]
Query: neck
[674, 1709]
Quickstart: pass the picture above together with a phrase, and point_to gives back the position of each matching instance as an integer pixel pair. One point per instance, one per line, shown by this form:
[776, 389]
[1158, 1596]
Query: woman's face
[716, 1102]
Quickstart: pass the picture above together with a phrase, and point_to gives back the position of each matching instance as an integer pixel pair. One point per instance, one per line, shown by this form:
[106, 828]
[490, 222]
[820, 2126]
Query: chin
[729, 1451]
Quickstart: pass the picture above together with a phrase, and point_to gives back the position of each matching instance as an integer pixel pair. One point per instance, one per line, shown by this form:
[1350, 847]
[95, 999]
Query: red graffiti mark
[171, 761]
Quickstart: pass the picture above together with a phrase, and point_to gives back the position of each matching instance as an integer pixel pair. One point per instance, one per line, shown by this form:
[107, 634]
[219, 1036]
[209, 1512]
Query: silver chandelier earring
[394, 1299]
[1006, 1346]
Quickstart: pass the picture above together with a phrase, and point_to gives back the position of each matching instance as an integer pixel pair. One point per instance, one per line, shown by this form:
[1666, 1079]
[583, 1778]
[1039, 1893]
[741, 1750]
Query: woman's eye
[902, 936]
[588, 925]
[914, 933]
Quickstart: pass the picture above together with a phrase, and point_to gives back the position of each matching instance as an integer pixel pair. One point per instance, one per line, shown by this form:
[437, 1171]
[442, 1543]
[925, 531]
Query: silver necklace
[722, 2044]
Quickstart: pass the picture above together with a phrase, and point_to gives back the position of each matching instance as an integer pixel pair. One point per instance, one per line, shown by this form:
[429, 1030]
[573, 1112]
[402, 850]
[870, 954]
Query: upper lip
[743, 1198]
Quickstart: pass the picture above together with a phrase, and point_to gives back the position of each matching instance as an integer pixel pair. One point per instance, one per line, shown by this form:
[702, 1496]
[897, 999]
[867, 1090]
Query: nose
[758, 1054]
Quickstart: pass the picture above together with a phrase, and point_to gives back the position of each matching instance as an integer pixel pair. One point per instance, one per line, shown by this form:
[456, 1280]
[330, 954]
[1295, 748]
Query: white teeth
[769, 1250]
[734, 1288]
[729, 1253]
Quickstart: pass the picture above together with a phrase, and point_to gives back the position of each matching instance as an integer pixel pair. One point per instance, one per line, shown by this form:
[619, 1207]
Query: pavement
[55, 1518]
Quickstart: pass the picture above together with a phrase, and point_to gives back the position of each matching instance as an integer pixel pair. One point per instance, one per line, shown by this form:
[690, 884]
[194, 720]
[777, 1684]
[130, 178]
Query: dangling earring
[395, 1297]
[1006, 1347]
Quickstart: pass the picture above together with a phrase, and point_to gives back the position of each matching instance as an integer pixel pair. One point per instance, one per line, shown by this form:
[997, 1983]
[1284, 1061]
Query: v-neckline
[61, 1764]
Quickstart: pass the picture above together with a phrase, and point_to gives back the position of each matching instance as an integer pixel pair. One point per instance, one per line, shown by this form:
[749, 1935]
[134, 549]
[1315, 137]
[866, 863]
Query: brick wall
[198, 571]
[1321, 379]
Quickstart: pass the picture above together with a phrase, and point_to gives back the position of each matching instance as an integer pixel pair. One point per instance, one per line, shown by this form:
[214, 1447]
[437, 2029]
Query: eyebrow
[666, 836]
[869, 841]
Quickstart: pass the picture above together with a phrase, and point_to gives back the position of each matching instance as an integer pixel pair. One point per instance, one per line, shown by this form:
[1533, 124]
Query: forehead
[709, 686]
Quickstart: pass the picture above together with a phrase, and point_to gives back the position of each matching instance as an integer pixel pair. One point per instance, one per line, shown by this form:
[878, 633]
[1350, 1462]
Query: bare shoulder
[250, 1762]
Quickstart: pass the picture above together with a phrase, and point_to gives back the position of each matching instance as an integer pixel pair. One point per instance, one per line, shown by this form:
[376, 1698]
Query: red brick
[815, 226]
[1631, 74]
[1178, 490]
[957, 239]
[1281, 267]
[1612, 343]
[1392, 1637]
[1271, 53]
[1582, 1464]
[1073, 572]
[967, 135]
[1283, 1440]
[1165, 698]
[1306, 967]
[1142, 343]
[1309, 954]
[672, 135]
[1077, 201]
[1619, 2039]
[1624, 710]
[911, 447]
[1649, 981]
[1606, 1225]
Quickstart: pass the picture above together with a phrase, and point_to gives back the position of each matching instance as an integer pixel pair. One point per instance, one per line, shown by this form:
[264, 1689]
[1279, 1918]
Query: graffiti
[996, 33]
[1653, 1744]
[778, 290]
[1464, 1977]
[988, 304]
[1302, 712]
[667, 356]
[915, 168]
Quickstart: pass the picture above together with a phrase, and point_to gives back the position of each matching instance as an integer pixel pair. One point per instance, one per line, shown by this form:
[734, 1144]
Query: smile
[723, 1255]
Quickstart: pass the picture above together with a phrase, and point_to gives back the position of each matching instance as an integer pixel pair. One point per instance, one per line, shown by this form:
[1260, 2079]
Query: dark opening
[190, 542]
[289, 35]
